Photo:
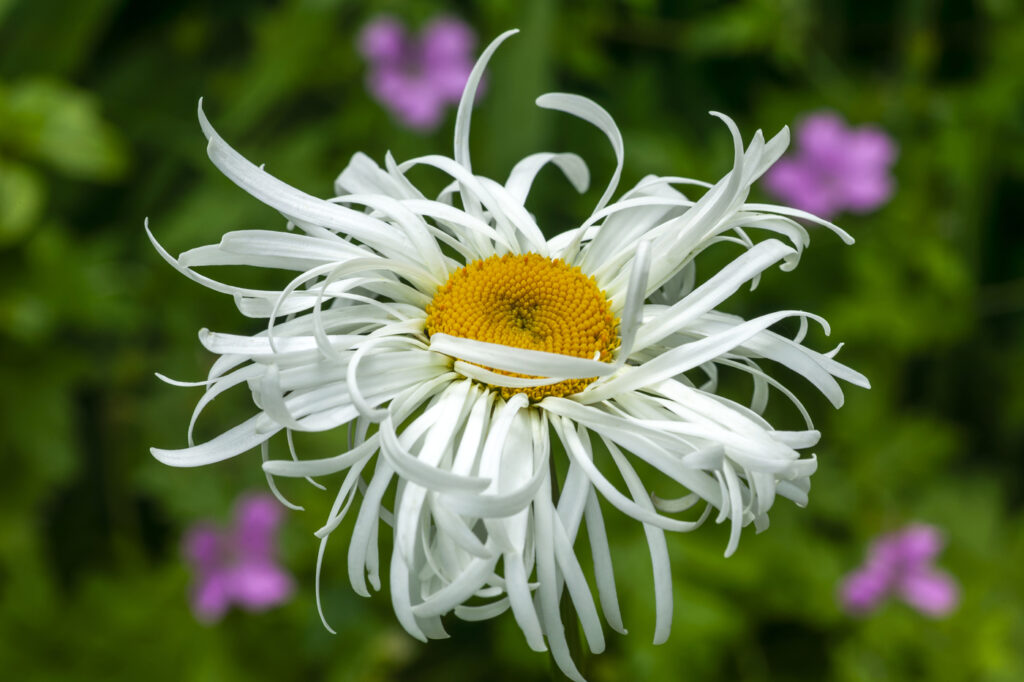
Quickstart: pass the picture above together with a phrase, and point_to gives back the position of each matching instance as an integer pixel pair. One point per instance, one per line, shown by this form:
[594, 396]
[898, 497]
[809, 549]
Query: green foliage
[98, 131]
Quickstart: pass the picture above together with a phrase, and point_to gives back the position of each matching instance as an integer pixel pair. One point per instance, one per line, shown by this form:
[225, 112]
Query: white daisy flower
[452, 343]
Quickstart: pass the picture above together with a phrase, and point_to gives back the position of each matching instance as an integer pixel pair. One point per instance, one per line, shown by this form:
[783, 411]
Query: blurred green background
[98, 131]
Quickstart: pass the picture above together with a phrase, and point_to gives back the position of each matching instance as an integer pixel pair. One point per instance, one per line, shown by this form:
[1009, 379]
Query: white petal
[603, 570]
[582, 457]
[316, 585]
[735, 508]
[512, 219]
[254, 346]
[520, 599]
[453, 527]
[235, 441]
[347, 493]
[365, 530]
[520, 360]
[676, 238]
[594, 114]
[548, 593]
[797, 213]
[815, 367]
[427, 251]
[579, 590]
[473, 230]
[572, 498]
[690, 355]
[278, 495]
[217, 387]
[296, 204]
[401, 600]
[413, 469]
[712, 292]
[528, 236]
[484, 612]
[458, 591]
[196, 277]
[646, 443]
[465, 110]
[625, 222]
[354, 377]
[272, 249]
[657, 546]
[421, 469]
[520, 180]
[363, 176]
[476, 427]
[510, 492]
[630, 321]
[325, 466]
[486, 376]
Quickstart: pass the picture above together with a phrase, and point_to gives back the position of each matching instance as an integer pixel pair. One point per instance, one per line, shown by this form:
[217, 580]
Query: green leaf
[61, 126]
[21, 200]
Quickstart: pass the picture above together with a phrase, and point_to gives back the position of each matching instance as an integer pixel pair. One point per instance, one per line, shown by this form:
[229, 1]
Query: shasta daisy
[454, 346]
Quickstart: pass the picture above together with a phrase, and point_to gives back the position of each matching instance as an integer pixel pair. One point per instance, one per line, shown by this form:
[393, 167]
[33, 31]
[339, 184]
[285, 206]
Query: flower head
[900, 564]
[835, 168]
[238, 565]
[455, 345]
[417, 78]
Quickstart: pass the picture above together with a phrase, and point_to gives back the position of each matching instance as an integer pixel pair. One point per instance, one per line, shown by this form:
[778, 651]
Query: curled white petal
[521, 360]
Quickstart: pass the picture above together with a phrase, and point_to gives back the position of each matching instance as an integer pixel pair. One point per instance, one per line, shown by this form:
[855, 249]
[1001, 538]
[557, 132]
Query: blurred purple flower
[418, 77]
[835, 167]
[238, 565]
[900, 564]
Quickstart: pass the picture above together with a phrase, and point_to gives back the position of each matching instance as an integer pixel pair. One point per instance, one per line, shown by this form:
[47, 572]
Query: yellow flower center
[527, 301]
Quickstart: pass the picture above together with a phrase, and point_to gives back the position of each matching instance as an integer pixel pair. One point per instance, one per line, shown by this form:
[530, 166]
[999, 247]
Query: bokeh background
[98, 130]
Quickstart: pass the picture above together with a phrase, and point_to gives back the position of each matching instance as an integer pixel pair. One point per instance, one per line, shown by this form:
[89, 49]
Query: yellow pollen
[527, 301]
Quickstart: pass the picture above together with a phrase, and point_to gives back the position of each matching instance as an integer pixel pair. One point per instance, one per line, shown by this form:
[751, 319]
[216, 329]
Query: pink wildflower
[835, 167]
[900, 564]
[238, 565]
[418, 77]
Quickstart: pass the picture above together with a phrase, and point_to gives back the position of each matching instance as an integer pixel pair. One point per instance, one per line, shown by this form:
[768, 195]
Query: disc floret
[528, 301]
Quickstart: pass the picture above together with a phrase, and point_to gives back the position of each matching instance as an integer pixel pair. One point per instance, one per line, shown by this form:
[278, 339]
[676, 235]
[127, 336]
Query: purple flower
[835, 167]
[418, 77]
[900, 564]
[237, 565]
